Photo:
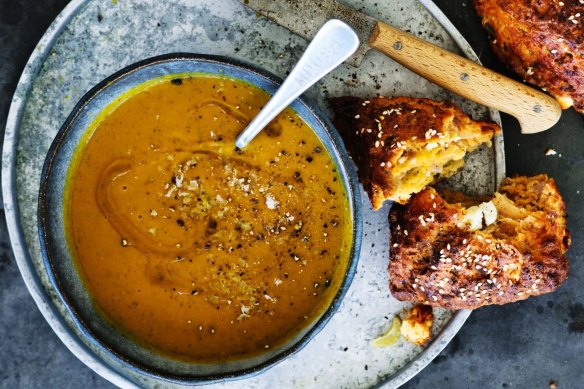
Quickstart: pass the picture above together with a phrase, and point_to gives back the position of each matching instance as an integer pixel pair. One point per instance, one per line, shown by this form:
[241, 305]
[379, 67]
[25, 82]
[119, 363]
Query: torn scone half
[402, 144]
[455, 252]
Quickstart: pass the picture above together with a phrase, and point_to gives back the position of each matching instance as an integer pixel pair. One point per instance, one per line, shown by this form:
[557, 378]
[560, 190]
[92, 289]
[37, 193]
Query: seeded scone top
[463, 255]
[403, 144]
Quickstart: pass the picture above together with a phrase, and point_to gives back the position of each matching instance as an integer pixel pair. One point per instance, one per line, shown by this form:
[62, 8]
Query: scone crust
[377, 131]
[542, 41]
[435, 261]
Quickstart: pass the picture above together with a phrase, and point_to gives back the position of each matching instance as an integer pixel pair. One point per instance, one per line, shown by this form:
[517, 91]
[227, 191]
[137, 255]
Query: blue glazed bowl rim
[347, 171]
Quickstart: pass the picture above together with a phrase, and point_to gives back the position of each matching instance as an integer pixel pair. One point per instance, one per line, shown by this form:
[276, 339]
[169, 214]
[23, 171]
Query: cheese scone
[465, 254]
[403, 144]
[542, 41]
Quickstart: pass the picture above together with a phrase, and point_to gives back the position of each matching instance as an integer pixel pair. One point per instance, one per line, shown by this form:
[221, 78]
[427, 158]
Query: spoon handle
[331, 46]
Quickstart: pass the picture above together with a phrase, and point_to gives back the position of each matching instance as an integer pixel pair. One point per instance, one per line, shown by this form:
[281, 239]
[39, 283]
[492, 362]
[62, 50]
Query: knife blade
[534, 110]
[293, 15]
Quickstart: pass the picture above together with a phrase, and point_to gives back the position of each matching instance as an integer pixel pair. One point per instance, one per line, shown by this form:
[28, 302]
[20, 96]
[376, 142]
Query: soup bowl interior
[98, 333]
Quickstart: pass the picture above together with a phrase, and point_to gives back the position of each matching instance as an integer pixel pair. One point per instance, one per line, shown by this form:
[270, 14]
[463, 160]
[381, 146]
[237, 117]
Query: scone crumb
[417, 326]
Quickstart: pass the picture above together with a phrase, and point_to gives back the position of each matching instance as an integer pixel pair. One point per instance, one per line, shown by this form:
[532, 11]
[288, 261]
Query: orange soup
[193, 248]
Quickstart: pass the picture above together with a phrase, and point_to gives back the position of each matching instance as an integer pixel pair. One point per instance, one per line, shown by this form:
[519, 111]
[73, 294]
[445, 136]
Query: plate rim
[29, 272]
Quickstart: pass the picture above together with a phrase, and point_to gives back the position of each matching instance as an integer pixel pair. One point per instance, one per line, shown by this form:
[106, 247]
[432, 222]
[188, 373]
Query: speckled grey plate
[92, 39]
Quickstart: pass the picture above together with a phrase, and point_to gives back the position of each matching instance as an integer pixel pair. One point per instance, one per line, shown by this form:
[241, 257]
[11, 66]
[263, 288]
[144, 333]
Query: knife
[534, 110]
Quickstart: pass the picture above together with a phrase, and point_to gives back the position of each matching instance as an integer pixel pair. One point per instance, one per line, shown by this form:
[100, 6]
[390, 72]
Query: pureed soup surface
[193, 248]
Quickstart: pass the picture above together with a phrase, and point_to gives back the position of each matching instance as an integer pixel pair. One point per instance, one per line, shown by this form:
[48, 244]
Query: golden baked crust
[417, 326]
[436, 259]
[402, 144]
[542, 41]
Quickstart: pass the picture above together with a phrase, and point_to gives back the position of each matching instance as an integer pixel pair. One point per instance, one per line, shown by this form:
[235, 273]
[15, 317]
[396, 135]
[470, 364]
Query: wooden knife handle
[535, 111]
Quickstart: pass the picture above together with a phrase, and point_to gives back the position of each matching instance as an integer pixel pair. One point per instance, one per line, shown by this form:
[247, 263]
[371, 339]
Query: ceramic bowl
[101, 336]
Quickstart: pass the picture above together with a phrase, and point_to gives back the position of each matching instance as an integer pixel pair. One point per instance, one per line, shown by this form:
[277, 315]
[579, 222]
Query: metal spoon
[331, 46]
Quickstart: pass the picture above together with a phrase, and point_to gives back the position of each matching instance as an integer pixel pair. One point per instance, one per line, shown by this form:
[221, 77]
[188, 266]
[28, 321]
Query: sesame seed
[422, 289]
[376, 143]
[357, 116]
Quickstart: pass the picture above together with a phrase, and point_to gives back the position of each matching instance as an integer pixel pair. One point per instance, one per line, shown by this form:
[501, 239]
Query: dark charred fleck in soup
[196, 249]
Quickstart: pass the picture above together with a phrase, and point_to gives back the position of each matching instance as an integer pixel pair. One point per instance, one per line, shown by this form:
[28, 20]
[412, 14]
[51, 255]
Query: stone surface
[521, 345]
